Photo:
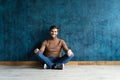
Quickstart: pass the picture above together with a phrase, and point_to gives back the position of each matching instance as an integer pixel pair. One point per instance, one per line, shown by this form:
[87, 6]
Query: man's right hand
[36, 50]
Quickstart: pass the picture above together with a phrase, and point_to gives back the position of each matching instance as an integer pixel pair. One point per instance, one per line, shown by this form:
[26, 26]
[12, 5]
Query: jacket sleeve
[43, 46]
[64, 46]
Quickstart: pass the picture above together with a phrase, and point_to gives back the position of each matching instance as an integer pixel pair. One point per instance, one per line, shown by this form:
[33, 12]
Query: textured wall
[90, 28]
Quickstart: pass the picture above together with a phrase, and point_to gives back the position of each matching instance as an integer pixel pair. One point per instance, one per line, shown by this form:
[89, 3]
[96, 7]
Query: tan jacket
[52, 48]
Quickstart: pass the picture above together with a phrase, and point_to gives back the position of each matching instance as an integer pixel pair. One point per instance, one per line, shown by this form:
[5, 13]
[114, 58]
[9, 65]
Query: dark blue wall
[91, 28]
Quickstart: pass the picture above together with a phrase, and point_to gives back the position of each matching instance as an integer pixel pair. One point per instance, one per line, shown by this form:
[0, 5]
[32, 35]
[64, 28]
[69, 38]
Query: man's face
[53, 33]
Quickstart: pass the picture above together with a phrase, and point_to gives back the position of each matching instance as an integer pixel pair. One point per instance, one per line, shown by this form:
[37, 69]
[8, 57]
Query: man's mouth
[53, 35]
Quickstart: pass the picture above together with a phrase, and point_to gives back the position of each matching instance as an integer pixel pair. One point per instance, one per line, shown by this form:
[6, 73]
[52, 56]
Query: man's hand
[69, 53]
[36, 50]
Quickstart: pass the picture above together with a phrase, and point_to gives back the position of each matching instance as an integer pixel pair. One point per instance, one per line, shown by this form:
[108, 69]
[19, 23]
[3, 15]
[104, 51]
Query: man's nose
[54, 32]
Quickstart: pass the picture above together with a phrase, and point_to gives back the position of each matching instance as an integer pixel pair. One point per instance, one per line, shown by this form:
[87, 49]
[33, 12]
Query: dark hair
[53, 27]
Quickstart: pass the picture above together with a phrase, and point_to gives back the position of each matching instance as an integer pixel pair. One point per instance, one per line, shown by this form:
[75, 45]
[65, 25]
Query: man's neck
[53, 38]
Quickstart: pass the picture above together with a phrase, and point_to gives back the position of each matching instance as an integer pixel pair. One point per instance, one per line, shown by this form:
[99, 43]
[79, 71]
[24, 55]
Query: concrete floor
[83, 72]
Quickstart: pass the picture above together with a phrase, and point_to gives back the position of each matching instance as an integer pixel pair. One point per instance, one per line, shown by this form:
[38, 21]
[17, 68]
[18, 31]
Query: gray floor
[86, 72]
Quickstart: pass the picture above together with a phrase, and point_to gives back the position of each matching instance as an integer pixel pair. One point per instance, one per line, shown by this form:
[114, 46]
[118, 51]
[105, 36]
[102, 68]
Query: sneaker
[58, 67]
[45, 66]
[62, 66]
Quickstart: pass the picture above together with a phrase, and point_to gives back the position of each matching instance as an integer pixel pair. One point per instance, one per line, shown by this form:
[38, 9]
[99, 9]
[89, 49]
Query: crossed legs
[50, 61]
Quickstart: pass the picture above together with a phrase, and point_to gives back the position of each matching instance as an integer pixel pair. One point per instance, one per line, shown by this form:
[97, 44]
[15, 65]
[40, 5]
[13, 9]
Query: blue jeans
[49, 61]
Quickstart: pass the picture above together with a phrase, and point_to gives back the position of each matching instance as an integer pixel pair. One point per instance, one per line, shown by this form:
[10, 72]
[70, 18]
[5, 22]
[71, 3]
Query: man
[51, 48]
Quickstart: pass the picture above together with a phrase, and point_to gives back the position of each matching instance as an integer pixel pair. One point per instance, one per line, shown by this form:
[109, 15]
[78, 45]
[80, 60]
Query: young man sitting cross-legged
[51, 48]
